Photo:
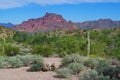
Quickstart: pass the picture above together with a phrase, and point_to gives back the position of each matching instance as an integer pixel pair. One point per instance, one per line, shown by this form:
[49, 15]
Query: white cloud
[18, 3]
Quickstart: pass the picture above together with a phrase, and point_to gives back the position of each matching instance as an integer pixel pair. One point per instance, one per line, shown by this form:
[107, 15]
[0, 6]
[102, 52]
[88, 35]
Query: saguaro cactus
[88, 43]
[3, 50]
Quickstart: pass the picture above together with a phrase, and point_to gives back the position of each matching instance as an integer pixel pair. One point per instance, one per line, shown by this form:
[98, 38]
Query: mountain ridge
[48, 22]
[7, 25]
[52, 21]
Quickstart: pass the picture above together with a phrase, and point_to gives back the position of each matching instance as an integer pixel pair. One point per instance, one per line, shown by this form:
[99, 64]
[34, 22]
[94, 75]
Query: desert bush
[91, 62]
[19, 60]
[76, 67]
[72, 58]
[28, 59]
[43, 50]
[37, 66]
[3, 62]
[64, 73]
[89, 75]
[93, 75]
[102, 77]
[11, 50]
[15, 62]
[102, 66]
[113, 72]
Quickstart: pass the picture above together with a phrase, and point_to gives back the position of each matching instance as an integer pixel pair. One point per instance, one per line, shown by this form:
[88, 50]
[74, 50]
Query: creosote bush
[89, 75]
[93, 75]
[19, 61]
[42, 50]
[15, 62]
[72, 58]
[102, 66]
[37, 66]
[28, 59]
[3, 62]
[113, 72]
[11, 50]
[76, 67]
[64, 73]
[91, 62]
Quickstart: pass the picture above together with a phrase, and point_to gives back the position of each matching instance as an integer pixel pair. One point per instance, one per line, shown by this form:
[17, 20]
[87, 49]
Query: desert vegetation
[87, 54]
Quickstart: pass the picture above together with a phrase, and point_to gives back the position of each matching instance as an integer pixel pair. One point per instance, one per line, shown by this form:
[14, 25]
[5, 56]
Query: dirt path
[22, 74]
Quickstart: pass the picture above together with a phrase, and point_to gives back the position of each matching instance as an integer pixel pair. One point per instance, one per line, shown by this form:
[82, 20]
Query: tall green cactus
[3, 50]
[88, 43]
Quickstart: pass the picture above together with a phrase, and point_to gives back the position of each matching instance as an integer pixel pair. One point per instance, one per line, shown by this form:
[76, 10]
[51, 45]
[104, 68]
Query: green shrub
[76, 67]
[64, 73]
[37, 66]
[43, 50]
[15, 62]
[102, 66]
[28, 59]
[72, 58]
[11, 50]
[101, 77]
[113, 72]
[3, 62]
[89, 75]
[91, 62]
[93, 75]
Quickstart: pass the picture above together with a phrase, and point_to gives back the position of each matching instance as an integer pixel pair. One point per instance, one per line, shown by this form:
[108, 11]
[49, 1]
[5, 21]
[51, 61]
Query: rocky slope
[52, 21]
[46, 23]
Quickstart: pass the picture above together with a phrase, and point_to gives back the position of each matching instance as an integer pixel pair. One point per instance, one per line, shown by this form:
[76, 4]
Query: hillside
[48, 22]
[99, 24]
[51, 22]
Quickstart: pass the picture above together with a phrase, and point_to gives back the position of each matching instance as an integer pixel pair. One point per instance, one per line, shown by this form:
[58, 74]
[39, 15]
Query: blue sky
[17, 11]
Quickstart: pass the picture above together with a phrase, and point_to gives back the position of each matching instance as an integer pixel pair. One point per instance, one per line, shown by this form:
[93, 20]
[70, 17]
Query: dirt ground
[22, 74]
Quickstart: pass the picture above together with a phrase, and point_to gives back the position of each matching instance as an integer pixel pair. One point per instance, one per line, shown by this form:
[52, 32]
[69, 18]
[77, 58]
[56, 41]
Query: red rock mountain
[48, 22]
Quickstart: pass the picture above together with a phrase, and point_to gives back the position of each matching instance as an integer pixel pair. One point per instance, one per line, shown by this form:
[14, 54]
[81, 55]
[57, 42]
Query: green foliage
[21, 37]
[103, 43]
[89, 75]
[15, 62]
[42, 50]
[91, 62]
[37, 66]
[113, 72]
[72, 58]
[69, 45]
[19, 60]
[102, 66]
[93, 75]
[101, 77]
[64, 73]
[28, 59]
[76, 67]
[11, 50]
[3, 62]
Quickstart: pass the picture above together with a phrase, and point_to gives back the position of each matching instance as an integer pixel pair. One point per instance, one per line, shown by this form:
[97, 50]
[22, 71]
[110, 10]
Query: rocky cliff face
[46, 23]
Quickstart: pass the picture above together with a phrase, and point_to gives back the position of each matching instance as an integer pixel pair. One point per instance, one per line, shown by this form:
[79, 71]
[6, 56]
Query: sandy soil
[22, 74]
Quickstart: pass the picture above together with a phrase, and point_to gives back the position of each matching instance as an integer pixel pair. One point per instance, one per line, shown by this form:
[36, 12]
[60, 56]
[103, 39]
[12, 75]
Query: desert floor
[22, 74]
